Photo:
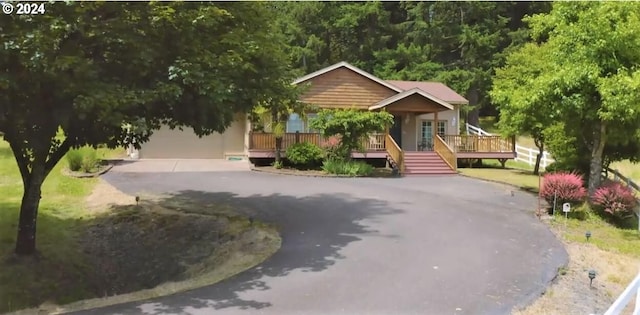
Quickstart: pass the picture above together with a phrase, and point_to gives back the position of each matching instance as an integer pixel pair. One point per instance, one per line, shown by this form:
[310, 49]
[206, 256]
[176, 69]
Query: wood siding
[415, 103]
[343, 88]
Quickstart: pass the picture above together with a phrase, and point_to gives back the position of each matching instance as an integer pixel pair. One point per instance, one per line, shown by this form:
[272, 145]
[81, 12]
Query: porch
[384, 146]
[263, 144]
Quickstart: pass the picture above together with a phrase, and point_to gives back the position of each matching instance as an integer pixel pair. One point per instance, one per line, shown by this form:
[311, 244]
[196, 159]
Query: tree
[521, 111]
[85, 68]
[274, 112]
[592, 71]
[351, 125]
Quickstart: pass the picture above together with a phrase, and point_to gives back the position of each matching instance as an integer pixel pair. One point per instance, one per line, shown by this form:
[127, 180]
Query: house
[424, 139]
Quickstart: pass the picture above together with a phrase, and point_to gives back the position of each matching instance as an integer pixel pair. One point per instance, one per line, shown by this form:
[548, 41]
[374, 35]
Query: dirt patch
[571, 293]
[103, 197]
[160, 245]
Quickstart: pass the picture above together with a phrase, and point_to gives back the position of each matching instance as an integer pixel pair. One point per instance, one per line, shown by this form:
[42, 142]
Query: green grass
[517, 177]
[55, 273]
[605, 235]
[628, 169]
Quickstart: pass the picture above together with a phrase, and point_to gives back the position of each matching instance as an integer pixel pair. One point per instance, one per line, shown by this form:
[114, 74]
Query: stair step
[421, 154]
[428, 174]
[427, 167]
[427, 170]
[423, 160]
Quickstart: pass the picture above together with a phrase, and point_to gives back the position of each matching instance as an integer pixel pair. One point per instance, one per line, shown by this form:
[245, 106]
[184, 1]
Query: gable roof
[436, 89]
[408, 93]
[352, 68]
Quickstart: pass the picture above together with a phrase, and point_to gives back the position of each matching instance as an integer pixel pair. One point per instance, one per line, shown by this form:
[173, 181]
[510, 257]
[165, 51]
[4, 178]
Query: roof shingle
[436, 89]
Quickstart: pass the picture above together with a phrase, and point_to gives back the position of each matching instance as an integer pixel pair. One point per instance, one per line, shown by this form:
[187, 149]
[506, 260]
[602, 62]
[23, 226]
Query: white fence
[524, 154]
[529, 155]
[621, 303]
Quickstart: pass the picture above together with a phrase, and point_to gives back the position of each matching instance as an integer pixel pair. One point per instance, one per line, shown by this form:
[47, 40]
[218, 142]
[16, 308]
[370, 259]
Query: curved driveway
[413, 245]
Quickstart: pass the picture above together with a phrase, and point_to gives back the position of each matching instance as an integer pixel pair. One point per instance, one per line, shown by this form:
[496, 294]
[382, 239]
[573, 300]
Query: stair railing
[445, 152]
[395, 152]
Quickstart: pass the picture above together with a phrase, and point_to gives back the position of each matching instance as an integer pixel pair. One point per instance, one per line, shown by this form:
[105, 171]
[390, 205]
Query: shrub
[304, 154]
[74, 159]
[277, 165]
[84, 159]
[351, 168]
[566, 187]
[615, 199]
[90, 160]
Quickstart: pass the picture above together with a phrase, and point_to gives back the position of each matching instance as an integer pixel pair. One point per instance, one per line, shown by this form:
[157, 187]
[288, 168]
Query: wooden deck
[481, 147]
[262, 145]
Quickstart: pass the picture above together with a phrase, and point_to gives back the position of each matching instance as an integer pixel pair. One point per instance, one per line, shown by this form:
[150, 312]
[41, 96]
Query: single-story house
[424, 139]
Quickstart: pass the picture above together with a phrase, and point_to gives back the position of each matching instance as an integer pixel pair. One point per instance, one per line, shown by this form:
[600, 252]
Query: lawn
[628, 169]
[25, 282]
[98, 243]
[520, 175]
[614, 253]
[515, 173]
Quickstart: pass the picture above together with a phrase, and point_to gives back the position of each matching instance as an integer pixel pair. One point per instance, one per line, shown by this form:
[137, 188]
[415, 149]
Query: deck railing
[395, 152]
[477, 143]
[374, 142]
[267, 140]
[445, 152]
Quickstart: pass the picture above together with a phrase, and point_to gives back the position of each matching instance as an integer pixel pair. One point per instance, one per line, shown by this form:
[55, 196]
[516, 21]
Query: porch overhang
[403, 102]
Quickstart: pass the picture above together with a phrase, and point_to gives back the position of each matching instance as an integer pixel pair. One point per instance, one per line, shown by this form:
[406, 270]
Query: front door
[396, 130]
[425, 134]
[425, 140]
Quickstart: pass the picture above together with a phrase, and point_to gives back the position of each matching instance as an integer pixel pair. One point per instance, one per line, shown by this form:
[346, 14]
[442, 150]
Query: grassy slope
[24, 282]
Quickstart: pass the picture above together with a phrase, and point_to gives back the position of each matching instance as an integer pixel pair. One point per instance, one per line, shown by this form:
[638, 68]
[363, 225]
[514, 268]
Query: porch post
[435, 127]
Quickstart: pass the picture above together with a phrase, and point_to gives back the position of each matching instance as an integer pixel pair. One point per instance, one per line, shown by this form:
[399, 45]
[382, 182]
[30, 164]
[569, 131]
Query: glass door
[425, 141]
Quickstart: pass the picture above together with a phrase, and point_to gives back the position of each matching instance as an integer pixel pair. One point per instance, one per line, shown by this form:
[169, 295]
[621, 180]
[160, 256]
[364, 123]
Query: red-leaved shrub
[566, 187]
[615, 199]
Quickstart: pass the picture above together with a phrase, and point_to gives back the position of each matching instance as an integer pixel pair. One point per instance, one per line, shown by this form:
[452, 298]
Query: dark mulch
[378, 172]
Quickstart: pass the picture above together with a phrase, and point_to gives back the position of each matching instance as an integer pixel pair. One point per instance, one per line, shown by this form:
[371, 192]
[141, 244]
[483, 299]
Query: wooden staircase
[425, 163]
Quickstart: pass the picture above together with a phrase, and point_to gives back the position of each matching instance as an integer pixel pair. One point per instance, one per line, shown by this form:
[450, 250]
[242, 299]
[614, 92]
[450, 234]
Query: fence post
[297, 137]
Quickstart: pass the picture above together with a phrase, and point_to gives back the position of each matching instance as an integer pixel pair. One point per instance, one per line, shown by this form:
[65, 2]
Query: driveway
[180, 165]
[414, 245]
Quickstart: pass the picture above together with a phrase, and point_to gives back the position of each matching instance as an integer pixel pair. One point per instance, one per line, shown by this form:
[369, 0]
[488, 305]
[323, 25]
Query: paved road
[415, 245]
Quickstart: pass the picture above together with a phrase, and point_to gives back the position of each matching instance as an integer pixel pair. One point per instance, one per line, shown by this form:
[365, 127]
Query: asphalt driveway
[414, 245]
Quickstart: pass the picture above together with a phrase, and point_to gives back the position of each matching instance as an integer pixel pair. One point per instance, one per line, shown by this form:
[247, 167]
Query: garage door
[175, 144]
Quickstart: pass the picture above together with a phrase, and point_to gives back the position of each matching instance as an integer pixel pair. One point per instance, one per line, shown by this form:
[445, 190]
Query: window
[426, 130]
[442, 128]
[295, 123]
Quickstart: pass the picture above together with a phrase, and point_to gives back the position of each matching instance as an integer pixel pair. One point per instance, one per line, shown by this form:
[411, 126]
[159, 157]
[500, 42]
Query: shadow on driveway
[314, 229]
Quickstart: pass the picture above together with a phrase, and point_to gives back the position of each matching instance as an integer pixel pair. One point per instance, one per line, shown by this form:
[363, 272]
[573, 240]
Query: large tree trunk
[597, 149]
[26, 241]
[34, 168]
